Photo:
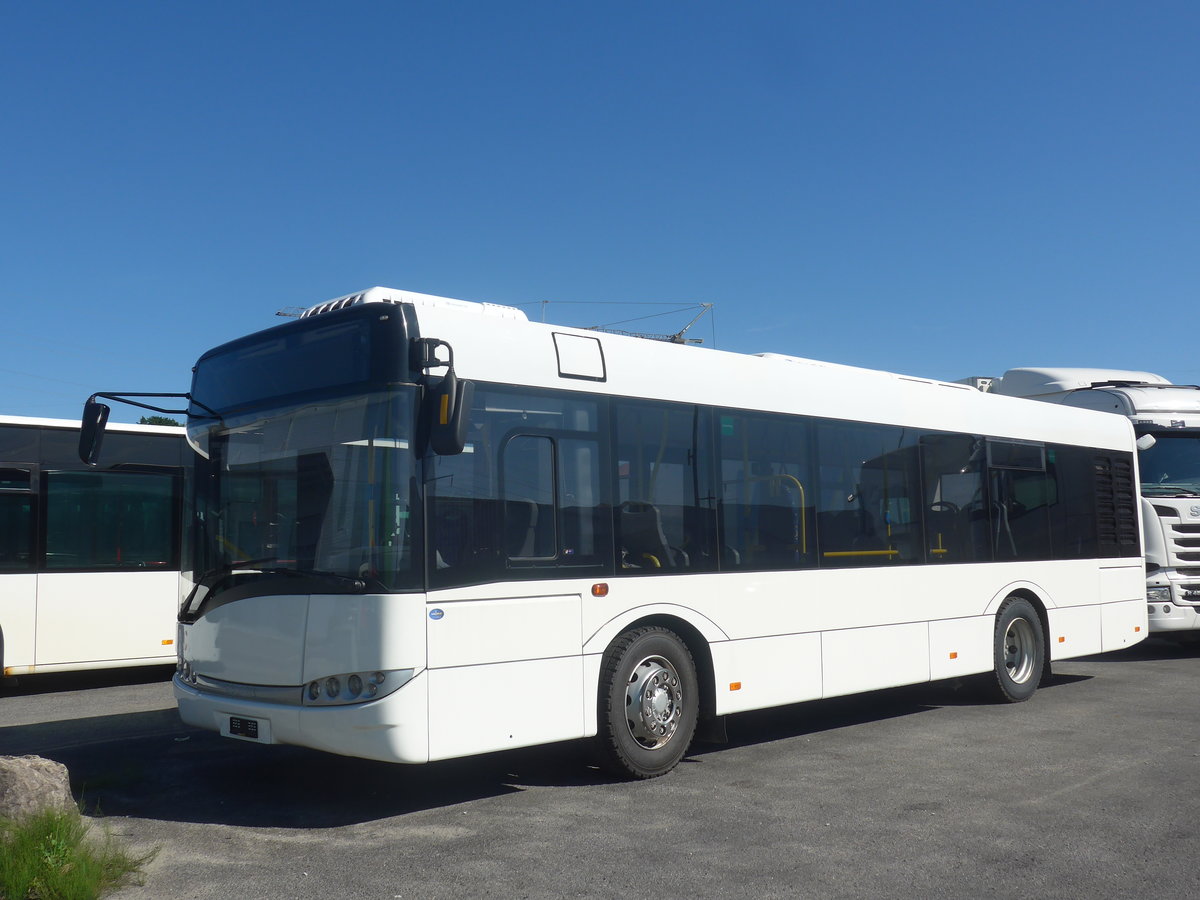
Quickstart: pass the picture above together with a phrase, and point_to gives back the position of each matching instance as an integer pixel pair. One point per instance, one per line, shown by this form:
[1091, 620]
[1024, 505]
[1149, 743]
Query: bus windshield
[1172, 466]
[309, 498]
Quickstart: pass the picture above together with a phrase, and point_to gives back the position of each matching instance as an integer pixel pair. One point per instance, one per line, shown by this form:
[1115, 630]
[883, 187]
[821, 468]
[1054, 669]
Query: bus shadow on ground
[54, 682]
[1152, 648]
[151, 766]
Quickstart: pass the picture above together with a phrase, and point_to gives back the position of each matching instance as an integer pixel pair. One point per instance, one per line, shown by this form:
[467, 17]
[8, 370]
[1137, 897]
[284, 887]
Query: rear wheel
[649, 700]
[1019, 651]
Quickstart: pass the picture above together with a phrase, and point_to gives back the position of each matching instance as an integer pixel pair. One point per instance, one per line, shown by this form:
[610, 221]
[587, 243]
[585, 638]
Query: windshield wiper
[207, 584]
[1170, 490]
[355, 585]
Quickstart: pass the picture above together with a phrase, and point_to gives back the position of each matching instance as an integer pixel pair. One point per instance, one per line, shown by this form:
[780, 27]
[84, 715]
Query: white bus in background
[89, 557]
[1166, 418]
[427, 528]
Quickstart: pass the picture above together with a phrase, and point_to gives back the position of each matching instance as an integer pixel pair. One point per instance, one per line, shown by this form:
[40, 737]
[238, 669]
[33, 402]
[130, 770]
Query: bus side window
[956, 515]
[870, 488]
[1073, 517]
[1022, 491]
[110, 520]
[767, 491]
[664, 519]
[527, 484]
[16, 528]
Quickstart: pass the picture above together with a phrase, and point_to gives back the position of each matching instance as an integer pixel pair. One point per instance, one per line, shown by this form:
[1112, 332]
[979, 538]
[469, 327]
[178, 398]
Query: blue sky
[936, 188]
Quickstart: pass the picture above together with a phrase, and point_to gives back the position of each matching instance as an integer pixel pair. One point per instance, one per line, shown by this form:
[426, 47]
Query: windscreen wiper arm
[356, 585]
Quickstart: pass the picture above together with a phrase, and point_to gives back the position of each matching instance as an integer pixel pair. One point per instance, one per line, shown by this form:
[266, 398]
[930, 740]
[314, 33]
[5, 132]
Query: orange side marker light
[600, 590]
[735, 685]
[954, 654]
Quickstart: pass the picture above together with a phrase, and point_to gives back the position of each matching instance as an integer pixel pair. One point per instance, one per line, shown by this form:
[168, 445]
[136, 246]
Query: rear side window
[110, 520]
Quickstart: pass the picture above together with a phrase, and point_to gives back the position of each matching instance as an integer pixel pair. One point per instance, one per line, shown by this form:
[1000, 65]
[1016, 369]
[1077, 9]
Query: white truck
[1166, 418]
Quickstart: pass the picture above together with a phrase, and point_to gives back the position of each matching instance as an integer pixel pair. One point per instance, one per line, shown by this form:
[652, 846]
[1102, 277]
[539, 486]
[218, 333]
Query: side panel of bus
[88, 616]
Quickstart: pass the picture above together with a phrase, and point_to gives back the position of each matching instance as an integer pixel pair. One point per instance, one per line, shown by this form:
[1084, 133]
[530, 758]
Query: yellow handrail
[861, 553]
[803, 501]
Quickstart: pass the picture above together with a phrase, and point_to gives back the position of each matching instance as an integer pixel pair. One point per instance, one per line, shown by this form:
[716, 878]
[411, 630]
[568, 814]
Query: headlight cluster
[1158, 594]
[355, 687]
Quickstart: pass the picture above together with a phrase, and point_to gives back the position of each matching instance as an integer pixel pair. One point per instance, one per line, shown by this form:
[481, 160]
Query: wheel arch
[693, 638]
[1029, 592]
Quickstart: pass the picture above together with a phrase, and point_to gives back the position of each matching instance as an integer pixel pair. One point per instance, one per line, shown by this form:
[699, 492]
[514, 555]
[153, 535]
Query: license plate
[247, 728]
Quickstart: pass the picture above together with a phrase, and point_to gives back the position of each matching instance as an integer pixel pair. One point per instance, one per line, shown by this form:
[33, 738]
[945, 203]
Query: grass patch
[52, 856]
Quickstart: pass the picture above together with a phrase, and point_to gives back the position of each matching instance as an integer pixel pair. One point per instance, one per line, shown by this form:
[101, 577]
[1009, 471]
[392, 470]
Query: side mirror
[1146, 441]
[450, 400]
[91, 430]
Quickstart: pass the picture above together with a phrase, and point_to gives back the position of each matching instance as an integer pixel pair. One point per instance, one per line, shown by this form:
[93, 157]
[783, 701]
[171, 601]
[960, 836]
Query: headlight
[355, 687]
[1158, 594]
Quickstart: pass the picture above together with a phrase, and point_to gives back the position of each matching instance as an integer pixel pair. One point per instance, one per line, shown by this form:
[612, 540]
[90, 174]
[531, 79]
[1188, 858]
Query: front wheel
[1019, 651]
[649, 702]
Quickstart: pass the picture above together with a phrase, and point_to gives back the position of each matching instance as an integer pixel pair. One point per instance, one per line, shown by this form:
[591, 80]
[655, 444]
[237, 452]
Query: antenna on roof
[676, 308]
[676, 338]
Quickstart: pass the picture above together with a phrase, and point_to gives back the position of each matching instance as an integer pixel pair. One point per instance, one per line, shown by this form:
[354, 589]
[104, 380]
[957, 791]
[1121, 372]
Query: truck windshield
[309, 498]
[1172, 466]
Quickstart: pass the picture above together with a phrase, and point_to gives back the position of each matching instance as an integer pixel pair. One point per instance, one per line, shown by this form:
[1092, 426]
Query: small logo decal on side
[436, 614]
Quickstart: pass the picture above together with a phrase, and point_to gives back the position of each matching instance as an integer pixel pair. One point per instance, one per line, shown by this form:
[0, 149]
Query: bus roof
[499, 344]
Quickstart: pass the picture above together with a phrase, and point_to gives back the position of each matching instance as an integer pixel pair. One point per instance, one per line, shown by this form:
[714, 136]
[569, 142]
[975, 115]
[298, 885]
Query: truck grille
[1183, 538]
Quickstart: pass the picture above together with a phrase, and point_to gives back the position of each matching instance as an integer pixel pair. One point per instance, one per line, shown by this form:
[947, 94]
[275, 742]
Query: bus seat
[640, 537]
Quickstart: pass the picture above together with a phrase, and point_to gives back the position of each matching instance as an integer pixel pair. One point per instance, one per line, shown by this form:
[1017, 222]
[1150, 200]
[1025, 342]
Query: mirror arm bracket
[124, 398]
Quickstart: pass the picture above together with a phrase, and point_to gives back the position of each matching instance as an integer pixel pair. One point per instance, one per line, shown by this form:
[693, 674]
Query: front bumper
[1170, 617]
[394, 728]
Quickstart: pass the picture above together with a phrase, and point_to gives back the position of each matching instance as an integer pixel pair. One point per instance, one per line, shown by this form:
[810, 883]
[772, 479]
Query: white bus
[89, 556]
[426, 528]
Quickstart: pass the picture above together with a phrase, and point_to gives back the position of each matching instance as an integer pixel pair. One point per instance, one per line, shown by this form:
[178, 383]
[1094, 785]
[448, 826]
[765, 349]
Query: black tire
[1019, 652]
[648, 704]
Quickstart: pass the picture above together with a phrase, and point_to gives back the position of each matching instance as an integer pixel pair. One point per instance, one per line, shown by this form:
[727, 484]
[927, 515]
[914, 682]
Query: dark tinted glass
[1073, 516]
[283, 363]
[526, 499]
[16, 532]
[665, 520]
[16, 478]
[768, 491]
[956, 511]
[110, 520]
[527, 469]
[667, 488]
[869, 495]
[1020, 513]
[1016, 455]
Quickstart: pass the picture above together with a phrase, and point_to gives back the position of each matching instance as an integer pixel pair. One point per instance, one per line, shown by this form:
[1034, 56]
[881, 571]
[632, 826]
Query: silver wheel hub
[1020, 650]
[653, 702]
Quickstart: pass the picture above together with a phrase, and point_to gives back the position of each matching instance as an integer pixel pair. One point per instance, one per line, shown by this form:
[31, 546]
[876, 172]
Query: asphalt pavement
[1089, 790]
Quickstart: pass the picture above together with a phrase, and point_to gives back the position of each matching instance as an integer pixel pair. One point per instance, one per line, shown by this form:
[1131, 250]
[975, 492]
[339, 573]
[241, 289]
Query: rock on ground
[29, 784]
